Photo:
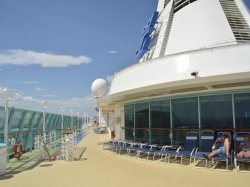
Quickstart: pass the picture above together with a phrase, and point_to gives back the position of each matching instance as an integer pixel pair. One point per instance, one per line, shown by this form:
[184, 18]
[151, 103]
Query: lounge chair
[165, 152]
[190, 147]
[134, 147]
[115, 145]
[124, 147]
[159, 152]
[222, 158]
[239, 137]
[206, 143]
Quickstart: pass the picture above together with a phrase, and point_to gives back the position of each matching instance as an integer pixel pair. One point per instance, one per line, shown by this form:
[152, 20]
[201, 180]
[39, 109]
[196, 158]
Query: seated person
[244, 147]
[224, 150]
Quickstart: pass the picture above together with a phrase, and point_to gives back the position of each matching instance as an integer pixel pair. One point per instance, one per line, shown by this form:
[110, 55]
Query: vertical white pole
[100, 116]
[62, 124]
[78, 122]
[44, 122]
[71, 113]
[44, 119]
[82, 123]
[6, 125]
[62, 110]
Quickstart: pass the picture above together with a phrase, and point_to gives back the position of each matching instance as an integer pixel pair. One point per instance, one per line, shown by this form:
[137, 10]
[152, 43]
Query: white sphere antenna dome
[99, 88]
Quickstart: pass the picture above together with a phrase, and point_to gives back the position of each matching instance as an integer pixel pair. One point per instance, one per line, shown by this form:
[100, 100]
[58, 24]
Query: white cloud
[28, 99]
[20, 100]
[48, 60]
[49, 95]
[112, 51]
[38, 89]
[30, 82]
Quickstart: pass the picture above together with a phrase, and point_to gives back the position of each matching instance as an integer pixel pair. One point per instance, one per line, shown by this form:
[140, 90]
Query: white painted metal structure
[197, 46]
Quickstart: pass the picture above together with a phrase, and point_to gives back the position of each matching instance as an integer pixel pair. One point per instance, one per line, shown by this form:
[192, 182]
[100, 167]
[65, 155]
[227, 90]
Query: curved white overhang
[227, 65]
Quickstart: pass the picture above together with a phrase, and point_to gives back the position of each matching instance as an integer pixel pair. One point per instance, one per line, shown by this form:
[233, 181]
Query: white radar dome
[99, 88]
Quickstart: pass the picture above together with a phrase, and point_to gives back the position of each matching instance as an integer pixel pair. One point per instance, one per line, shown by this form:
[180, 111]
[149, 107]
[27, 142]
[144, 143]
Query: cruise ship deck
[188, 93]
[104, 168]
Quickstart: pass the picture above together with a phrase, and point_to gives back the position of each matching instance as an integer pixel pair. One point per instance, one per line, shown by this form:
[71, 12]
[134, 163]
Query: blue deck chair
[115, 146]
[165, 152]
[151, 150]
[206, 143]
[239, 137]
[124, 147]
[219, 143]
[159, 152]
[106, 145]
[134, 147]
[144, 149]
[190, 146]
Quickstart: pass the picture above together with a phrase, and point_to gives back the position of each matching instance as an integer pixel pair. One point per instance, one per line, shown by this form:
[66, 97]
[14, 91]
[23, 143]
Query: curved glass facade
[166, 121]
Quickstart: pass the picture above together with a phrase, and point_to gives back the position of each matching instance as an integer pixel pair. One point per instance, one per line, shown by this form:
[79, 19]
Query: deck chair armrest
[194, 149]
[179, 148]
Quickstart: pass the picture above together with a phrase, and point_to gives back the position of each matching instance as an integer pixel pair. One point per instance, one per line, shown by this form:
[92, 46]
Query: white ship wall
[160, 5]
[200, 24]
[174, 70]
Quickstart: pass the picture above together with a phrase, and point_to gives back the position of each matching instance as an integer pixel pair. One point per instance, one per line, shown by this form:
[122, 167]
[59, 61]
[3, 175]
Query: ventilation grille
[167, 32]
[236, 20]
[166, 2]
[179, 4]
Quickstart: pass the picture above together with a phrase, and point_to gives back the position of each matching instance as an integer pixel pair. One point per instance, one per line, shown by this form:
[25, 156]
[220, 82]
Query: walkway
[100, 168]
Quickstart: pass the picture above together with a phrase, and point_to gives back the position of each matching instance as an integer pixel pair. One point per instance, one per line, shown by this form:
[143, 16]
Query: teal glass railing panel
[35, 120]
[27, 119]
[16, 118]
[24, 124]
[2, 114]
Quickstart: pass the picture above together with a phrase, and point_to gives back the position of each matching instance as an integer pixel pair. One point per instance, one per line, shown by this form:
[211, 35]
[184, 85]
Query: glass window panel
[2, 119]
[160, 137]
[242, 110]
[52, 121]
[35, 120]
[55, 121]
[27, 119]
[129, 116]
[16, 119]
[142, 135]
[216, 111]
[129, 134]
[40, 124]
[160, 114]
[47, 120]
[185, 113]
[142, 115]
[179, 137]
[142, 121]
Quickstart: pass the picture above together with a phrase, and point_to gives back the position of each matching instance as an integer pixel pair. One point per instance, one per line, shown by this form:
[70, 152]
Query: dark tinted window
[216, 112]
[242, 110]
[185, 113]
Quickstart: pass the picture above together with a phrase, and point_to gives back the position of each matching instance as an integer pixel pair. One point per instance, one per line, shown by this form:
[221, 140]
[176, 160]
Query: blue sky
[54, 50]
